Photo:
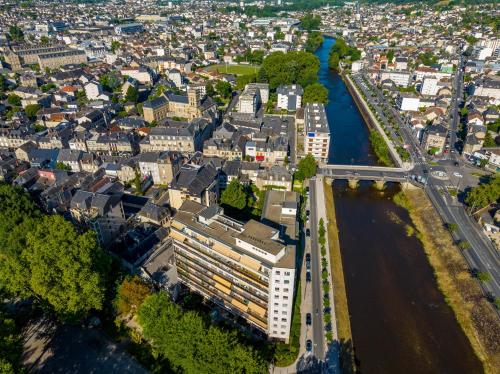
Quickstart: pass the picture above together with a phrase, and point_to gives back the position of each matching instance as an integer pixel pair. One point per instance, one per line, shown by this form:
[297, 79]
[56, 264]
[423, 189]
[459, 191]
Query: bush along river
[400, 321]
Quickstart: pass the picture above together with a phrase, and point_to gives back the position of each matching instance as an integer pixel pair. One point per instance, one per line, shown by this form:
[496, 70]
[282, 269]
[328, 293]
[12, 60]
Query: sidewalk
[332, 355]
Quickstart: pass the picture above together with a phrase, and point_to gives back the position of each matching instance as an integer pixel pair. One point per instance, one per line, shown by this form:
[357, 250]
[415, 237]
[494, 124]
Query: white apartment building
[317, 131]
[247, 269]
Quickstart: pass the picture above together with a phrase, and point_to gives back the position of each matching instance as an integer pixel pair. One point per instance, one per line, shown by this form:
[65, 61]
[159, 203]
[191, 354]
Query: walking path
[332, 354]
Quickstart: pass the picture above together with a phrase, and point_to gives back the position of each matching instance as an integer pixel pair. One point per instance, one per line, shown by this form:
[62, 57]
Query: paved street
[317, 312]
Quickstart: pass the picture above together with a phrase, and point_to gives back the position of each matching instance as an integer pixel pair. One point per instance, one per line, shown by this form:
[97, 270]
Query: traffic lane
[317, 314]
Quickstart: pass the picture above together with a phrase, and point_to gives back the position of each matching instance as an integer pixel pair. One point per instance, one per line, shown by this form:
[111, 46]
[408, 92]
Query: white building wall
[281, 287]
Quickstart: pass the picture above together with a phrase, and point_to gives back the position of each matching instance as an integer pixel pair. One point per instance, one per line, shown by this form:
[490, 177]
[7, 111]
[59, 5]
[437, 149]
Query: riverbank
[346, 352]
[462, 293]
[372, 122]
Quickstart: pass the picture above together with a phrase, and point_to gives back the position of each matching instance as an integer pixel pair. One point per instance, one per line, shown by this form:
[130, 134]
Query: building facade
[317, 132]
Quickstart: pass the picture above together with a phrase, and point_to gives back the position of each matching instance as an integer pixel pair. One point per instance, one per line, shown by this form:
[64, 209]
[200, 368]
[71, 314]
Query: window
[285, 290]
[284, 312]
[283, 333]
[287, 273]
[285, 297]
[286, 281]
[276, 296]
[275, 318]
[283, 320]
[275, 312]
[277, 272]
[276, 288]
[276, 304]
[277, 280]
[285, 305]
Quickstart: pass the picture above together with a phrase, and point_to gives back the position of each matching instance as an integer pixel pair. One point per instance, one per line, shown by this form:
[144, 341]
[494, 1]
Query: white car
[457, 174]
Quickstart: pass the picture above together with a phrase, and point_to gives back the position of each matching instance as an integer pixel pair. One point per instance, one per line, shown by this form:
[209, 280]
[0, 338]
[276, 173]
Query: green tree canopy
[310, 22]
[131, 294]
[31, 110]
[46, 258]
[188, 342]
[67, 269]
[234, 195]
[132, 95]
[306, 167]
[342, 51]
[14, 100]
[224, 89]
[484, 194]
[18, 216]
[288, 68]
[315, 93]
[11, 347]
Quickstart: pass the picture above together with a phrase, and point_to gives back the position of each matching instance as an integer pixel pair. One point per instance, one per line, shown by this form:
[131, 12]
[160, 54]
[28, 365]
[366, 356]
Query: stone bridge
[378, 174]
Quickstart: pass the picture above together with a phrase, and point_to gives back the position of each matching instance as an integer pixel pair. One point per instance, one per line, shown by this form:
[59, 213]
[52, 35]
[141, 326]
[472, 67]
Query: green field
[234, 69]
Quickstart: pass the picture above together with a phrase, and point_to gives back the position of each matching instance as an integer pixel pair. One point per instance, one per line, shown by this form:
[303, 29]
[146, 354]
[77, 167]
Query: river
[400, 321]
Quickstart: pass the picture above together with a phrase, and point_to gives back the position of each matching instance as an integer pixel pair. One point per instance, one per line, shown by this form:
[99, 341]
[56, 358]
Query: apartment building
[249, 100]
[317, 132]
[19, 57]
[290, 97]
[245, 268]
[57, 59]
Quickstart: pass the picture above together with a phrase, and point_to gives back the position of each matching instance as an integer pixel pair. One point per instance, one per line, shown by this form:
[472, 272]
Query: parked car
[309, 345]
[308, 212]
[308, 276]
[308, 261]
[308, 319]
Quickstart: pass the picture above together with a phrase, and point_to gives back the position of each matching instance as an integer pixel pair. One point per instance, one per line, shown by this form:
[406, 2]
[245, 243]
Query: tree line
[341, 51]
[44, 258]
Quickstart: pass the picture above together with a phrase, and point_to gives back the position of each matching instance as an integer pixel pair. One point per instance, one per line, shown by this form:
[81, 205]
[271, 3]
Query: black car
[308, 276]
[308, 212]
[308, 261]
[308, 232]
[456, 163]
[309, 345]
[308, 319]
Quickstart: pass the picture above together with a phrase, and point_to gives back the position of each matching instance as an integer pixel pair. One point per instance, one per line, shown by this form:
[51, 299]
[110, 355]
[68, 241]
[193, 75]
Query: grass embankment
[380, 148]
[339, 290]
[234, 69]
[462, 293]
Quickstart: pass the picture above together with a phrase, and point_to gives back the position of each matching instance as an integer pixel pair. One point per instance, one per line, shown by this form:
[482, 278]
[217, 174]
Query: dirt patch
[473, 312]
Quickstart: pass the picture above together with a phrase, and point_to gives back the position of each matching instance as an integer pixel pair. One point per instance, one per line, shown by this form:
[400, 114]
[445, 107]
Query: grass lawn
[234, 69]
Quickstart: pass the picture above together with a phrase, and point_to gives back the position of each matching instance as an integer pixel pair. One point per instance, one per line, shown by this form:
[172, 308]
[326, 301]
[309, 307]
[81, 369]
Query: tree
[66, 269]
[306, 168]
[489, 141]
[14, 100]
[137, 179]
[234, 195]
[16, 33]
[210, 89]
[315, 93]
[484, 276]
[31, 110]
[62, 166]
[322, 232]
[310, 22]
[44, 40]
[224, 89]
[280, 68]
[132, 95]
[11, 347]
[18, 216]
[131, 294]
[484, 194]
[115, 45]
[185, 339]
[390, 56]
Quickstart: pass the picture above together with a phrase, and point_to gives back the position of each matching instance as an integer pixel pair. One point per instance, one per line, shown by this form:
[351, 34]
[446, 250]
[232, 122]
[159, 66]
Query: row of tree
[45, 258]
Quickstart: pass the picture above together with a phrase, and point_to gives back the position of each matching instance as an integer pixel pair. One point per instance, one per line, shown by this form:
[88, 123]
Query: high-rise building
[246, 268]
[317, 132]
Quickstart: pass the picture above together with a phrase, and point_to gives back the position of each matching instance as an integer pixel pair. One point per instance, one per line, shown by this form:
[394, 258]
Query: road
[317, 312]
[482, 256]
